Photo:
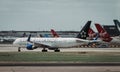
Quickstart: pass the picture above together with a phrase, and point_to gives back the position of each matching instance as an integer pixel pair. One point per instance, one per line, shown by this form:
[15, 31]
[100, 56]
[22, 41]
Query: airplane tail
[54, 33]
[83, 34]
[103, 33]
[117, 23]
[91, 33]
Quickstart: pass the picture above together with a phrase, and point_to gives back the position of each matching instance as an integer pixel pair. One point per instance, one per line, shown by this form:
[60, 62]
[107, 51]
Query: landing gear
[35, 47]
[19, 49]
[56, 50]
[44, 50]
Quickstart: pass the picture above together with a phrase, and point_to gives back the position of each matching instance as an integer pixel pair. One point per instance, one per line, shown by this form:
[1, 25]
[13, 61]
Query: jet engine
[29, 47]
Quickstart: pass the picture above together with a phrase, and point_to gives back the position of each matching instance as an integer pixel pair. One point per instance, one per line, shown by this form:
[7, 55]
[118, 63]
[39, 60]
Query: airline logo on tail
[83, 34]
[103, 33]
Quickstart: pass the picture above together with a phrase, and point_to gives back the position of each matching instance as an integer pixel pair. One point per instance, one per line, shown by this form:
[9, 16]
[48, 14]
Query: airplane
[105, 36]
[54, 43]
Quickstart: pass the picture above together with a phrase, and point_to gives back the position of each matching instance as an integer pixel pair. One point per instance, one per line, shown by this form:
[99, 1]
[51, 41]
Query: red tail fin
[91, 33]
[54, 33]
[103, 33]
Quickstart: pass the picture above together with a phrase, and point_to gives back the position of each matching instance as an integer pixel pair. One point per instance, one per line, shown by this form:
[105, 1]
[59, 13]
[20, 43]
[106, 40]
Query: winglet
[29, 38]
[83, 34]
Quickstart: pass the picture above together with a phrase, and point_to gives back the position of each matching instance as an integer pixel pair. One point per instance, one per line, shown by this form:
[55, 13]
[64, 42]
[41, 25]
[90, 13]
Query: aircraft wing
[89, 41]
[36, 43]
[40, 44]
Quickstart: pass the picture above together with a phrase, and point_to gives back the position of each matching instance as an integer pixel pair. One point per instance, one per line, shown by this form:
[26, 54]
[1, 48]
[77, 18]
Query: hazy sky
[37, 15]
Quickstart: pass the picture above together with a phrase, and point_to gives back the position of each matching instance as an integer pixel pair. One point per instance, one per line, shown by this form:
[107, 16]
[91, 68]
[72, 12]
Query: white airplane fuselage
[52, 42]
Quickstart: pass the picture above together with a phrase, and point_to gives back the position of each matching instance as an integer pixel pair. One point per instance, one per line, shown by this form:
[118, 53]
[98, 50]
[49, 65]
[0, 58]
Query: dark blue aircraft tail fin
[83, 34]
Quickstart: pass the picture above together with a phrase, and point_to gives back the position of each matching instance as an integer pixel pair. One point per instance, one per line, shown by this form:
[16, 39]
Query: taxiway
[11, 48]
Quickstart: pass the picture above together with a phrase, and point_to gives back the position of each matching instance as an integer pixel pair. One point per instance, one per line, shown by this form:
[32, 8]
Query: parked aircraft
[105, 36]
[54, 43]
[91, 33]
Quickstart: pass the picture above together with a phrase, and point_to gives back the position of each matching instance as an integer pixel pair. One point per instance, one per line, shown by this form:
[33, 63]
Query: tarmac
[58, 67]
